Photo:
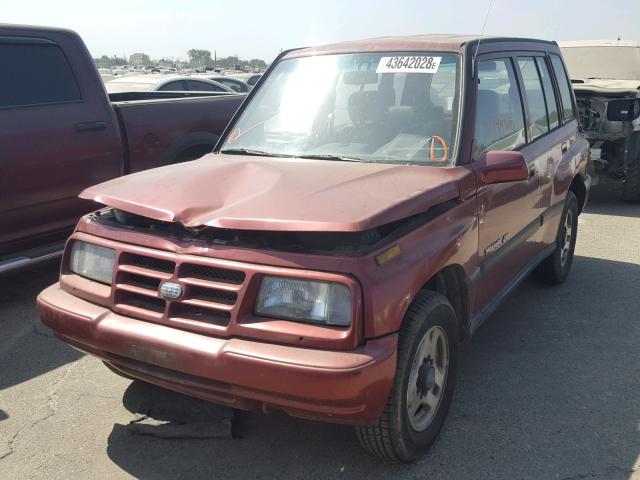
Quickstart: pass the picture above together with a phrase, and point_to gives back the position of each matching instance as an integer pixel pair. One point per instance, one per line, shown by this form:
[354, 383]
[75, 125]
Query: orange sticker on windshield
[233, 136]
[444, 150]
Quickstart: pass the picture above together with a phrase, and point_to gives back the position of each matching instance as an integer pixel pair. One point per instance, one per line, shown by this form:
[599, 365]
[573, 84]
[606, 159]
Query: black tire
[631, 186]
[556, 267]
[392, 437]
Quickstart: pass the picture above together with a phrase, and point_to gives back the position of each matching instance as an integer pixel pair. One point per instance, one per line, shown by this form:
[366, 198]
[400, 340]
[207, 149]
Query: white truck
[605, 75]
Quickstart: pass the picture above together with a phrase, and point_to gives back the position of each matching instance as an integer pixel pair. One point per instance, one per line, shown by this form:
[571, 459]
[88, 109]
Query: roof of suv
[452, 42]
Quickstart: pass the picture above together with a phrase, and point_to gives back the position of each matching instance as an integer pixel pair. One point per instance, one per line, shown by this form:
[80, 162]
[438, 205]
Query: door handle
[91, 126]
[532, 170]
[564, 148]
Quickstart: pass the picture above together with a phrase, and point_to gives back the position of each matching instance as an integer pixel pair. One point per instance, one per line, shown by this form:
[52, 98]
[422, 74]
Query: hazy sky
[260, 28]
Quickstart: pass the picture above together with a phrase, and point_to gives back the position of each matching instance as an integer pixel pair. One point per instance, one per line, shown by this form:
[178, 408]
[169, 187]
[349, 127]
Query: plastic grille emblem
[170, 290]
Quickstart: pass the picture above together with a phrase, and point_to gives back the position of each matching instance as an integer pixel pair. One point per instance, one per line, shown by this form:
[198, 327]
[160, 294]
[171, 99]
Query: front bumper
[341, 386]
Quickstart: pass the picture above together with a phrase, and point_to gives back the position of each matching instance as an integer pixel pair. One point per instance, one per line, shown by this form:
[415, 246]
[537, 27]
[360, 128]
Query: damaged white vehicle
[606, 80]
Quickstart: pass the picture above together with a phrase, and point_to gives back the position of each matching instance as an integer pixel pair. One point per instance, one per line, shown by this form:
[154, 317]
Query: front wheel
[424, 382]
[555, 268]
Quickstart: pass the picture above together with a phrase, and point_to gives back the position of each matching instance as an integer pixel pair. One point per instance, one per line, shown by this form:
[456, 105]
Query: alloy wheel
[427, 378]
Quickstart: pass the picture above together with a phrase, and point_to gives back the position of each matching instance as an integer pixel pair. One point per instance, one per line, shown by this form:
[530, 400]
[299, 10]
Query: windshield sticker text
[419, 64]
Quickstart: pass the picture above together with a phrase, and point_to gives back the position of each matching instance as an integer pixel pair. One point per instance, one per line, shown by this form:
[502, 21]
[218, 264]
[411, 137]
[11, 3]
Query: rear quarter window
[35, 75]
[549, 93]
[538, 120]
[196, 86]
[236, 86]
[177, 86]
[563, 86]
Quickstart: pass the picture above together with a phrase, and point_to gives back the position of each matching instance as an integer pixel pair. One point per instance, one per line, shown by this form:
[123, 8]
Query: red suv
[368, 207]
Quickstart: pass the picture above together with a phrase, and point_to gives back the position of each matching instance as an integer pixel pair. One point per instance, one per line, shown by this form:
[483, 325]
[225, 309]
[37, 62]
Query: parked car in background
[606, 80]
[249, 78]
[123, 70]
[60, 132]
[106, 74]
[362, 215]
[234, 84]
[165, 83]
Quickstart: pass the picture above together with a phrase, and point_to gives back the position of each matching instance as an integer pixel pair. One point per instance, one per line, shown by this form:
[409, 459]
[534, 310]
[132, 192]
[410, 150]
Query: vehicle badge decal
[170, 290]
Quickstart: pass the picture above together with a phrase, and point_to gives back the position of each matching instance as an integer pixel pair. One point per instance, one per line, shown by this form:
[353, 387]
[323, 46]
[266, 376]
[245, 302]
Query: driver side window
[499, 117]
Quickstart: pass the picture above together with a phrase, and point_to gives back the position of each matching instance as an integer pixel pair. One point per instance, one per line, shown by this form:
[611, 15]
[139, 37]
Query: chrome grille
[210, 292]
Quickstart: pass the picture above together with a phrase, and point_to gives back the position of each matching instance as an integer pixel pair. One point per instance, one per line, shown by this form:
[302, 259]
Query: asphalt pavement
[549, 388]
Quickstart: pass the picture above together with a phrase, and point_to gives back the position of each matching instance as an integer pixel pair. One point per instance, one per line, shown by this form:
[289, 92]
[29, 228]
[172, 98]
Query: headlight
[307, 301]
[92, 261]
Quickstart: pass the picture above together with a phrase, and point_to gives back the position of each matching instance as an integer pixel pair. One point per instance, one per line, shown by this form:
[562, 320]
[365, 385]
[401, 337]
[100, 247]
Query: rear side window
[499, 118]
[172, 86]
[549, 93]
[35, 75]
[194, 85]
[238, 87]
[563, 86]
[538, 121]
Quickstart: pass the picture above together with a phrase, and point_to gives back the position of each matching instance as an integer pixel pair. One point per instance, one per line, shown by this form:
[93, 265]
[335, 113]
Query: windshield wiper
[248, 151]
[321, 156]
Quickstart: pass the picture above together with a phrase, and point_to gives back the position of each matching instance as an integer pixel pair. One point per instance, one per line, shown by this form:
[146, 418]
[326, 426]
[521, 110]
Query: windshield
[381, 107]
[615, 62]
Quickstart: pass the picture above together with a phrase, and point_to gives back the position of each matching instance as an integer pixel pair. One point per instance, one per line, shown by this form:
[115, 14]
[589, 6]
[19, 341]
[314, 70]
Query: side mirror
[497, 166]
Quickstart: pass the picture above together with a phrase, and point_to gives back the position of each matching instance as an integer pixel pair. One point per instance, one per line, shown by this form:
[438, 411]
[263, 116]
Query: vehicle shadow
[606, 200]
[27, 349]
[547, 389]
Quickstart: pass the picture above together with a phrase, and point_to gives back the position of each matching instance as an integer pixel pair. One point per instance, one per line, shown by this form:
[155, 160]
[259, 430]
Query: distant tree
[165, 62]
[228, 62]
[257, 63]
[110, 62]
[200, 58]
[197, 58]
[234, 61]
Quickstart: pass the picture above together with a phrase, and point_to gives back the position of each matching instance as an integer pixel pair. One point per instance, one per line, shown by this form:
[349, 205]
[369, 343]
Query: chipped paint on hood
[280, 194]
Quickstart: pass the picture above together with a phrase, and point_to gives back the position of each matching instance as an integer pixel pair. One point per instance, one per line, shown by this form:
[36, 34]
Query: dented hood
[280, 194]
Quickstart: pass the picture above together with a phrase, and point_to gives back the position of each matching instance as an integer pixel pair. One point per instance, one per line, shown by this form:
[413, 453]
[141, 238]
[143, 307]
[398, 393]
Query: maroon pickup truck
[366, 210]
[60, 132]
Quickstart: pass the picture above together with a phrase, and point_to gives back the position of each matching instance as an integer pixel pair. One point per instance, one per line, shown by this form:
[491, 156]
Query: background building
[139, 59]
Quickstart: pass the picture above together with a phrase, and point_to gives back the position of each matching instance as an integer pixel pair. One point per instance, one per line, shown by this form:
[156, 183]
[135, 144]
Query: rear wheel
[424, 382]
[555, 268]
[631, 186]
